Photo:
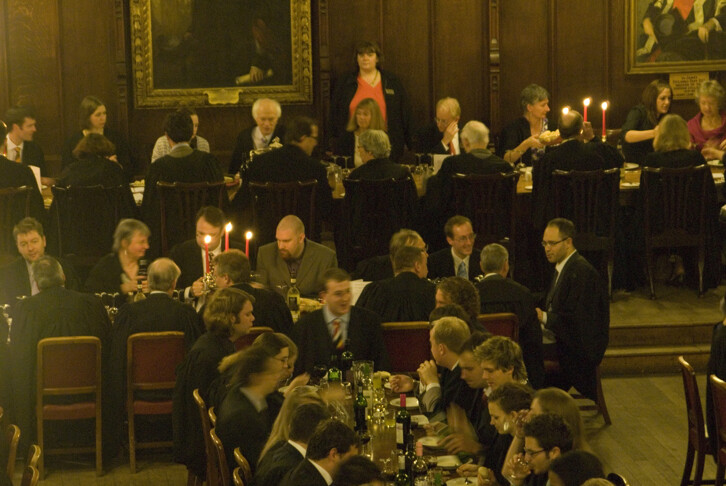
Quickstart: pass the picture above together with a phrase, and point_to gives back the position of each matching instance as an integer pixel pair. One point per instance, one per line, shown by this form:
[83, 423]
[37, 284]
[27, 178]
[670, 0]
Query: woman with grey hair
[708, 128]
[519, 141]
[374, 149]
[119, 271]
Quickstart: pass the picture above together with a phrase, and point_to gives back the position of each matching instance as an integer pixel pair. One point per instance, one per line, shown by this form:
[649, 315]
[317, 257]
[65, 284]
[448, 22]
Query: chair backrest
[14, 206]
[373, 210]
[152, 358]
[696, 434]
[271, 201]
[69, 366]
[718, 395]
[31, 476]
[212, 416]
[617, 479]
[12, 437]
[33, 455]
[237, 477]
[590, 199]
[221, 459]
[407, 344]
[206, 427]
[178, 205]
[674, 205]
[243, 464]
[501, 324]
[247, 340]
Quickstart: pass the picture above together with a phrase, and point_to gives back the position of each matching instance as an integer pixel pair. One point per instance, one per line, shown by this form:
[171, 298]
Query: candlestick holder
[209, 281]
[604, 138]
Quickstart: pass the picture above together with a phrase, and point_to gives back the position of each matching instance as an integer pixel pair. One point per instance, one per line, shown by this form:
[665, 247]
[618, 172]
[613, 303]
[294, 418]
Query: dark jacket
[15, 280]
[637, 120]
[13, 174]
[32, 154]
[441, 264]
[245, 145]
[122, 151]
[405, 297]
[275, 464]
[304, 474]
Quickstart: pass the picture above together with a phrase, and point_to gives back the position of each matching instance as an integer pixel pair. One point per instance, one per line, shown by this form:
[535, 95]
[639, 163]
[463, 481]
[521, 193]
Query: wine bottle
[419, 466]
[403, 424]
[409, 456]
[334, 375]
[293, 299]
[402, 478]
[359, 409]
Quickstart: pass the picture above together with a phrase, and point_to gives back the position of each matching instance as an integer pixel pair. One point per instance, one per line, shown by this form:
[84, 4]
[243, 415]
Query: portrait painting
[664, 36]
[220, 51]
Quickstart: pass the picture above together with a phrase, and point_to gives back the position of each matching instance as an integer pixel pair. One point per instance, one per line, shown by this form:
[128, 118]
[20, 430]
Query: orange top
[364, 91]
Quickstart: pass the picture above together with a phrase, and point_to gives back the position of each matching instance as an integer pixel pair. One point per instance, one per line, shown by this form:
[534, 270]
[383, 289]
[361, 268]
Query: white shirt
[259, 140]
[325, 474]
[455, 142]
[302, 450]
[10, 149]
[162, 147]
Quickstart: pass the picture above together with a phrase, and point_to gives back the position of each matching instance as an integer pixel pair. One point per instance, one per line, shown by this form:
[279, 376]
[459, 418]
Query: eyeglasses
[531, 453]
[550, 244]
[440, 121]
[282, 360]
[462, 239]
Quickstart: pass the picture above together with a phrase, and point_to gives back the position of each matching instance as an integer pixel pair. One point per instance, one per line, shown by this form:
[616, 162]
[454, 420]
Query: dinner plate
[461, 481]
[715, 163]
[631, 184]
[431, 441]
[411, 402]
[420, 419]
[448, 462]
[631, 166]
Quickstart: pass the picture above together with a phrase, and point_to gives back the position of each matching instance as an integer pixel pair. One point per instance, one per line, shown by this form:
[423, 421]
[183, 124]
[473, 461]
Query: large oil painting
[664, 36]
[220, 51]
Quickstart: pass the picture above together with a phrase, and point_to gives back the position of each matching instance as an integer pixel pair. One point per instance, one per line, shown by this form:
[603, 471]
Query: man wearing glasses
[460, 260]
[546, 437]
[576, 315]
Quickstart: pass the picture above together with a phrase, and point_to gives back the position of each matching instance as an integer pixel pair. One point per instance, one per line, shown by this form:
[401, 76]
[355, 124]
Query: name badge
[390, 91]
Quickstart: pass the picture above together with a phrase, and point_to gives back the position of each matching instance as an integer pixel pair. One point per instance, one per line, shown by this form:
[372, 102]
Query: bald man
[293, 255]
[442, 137]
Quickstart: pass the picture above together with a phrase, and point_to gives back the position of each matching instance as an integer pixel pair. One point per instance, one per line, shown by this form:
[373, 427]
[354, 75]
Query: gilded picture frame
[664, 38]
[203, 52]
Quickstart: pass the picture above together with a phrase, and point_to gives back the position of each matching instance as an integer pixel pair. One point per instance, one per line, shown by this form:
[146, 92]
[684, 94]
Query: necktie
[337, 335]
[551, 292]
[265, 141]
[462, 271]
[17, 155]
[452, 150]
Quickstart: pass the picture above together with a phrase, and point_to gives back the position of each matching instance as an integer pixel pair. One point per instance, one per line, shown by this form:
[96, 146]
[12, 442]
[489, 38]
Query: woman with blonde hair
[367, 116]
[672, 144]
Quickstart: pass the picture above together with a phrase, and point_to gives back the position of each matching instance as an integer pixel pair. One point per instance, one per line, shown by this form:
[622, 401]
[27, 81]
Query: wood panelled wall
[53, 53]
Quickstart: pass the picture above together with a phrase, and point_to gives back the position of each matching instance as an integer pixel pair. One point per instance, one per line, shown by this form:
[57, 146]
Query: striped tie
[337, 335]
[17, 155]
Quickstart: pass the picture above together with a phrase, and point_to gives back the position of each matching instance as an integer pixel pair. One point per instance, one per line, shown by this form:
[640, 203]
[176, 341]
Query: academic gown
[405, 297]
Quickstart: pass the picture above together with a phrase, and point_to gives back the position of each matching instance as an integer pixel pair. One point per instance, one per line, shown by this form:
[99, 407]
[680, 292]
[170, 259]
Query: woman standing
[639, 130]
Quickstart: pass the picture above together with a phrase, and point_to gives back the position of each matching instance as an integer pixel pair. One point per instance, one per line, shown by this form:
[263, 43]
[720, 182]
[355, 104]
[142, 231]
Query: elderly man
[576, 315]
[406, 297]
[375, 148]
[266, 112]
[293, 256]
[443, 137]
[16, 278]
[53, 312]
[19, 145]
[337, 327]
[461, 259]
[232, 269]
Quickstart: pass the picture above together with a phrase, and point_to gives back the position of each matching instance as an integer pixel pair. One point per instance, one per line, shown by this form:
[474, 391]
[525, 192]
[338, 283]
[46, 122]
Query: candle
[565, 110]
[227, 230]
[604, 109]
[585, 104]
[207, 240]
[248, 237]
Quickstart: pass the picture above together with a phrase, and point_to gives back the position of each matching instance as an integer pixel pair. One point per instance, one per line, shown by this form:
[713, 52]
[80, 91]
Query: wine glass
[519, 469]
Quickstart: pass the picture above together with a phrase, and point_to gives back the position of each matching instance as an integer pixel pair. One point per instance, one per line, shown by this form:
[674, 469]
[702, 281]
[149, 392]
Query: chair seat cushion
[75, 411]
[152, 408]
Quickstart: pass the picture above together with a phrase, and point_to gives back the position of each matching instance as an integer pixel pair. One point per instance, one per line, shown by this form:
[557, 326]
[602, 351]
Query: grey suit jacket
[273, 271]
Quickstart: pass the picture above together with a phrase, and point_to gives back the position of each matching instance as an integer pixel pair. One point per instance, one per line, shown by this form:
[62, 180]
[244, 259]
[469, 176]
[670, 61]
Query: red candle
[207, 239]
[604, 107]
[227, 230]
[248, 237]
[585, 104]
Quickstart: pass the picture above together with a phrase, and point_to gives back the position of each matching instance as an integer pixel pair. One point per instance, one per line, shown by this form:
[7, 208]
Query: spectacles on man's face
[531, 453]
[464, 238]
[550, 244]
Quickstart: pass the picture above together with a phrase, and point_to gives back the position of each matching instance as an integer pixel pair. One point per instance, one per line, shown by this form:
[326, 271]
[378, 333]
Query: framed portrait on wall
[220, 52]
[675, 36]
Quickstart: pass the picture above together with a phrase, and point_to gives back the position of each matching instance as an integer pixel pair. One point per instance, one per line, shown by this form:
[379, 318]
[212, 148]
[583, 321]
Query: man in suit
[280, 460]
[53, 312]
[17, 278]
[232, 269]
[576, 315]
[19, 145]
[498, 293]
[461, 259]
[13, 174]
[381, 267]
[406, 297]
[266, 112]
[293, 256]
[443, 136]
[182, 164]
[337, 327]
[331, 443]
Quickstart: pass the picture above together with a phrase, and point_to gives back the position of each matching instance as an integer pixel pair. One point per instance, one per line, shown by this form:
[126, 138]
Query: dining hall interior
[483, 53]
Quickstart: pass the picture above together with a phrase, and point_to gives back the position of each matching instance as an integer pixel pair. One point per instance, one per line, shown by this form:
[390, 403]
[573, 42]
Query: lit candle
[585, 104]
[248, 237]
[565, 110]
[227, 230]
[207, 240]
[604, 109]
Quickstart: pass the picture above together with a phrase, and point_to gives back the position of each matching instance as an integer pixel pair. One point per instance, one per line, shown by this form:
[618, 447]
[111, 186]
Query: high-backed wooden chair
[489, 202]
[698, 444]
[407, 344]
[12, 437]
[590, 200]
[14, 206]
[33, 456]
[247, 340]
[178, 206]
[152, 358]
[271, 201]
[31, 476]
[220, 459]
[212, 417]
[237, 477]
[674, 212]
[206, 427]
[718, 395]
[617, 479]
[373, 210]
[501, 324]
[243, 464]
[69, 366]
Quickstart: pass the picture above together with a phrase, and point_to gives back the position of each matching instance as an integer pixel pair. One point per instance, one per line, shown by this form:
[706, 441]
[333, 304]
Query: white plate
[460, 481]
[411, 402]
[715, 163]
[419, 419]
[631, 166]
[431, 441]
[527, 188]
[631, 184]
[448, 462]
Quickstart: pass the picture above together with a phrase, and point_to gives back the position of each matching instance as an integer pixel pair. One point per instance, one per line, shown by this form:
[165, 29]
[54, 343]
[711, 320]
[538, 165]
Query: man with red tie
[443, 137]
[338, 325]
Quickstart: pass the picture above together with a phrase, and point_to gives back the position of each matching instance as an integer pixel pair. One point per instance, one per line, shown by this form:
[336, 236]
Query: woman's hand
[533, 142]
[467, 470]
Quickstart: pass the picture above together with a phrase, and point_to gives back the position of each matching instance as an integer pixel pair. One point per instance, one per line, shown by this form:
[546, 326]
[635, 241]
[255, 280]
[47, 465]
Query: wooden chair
[178, 205]
[552, 365]
[237, 477]
[33, 456]
[243, 464]
[152, 358]
[14, 206]
[407, 344]
[206, 427]
[591, 201]
[69, 366]
[220, 459]
[31, 476]
[698, 444]
[674, 213]
[12, 437]
[718, 395]
[271, 201]
[501, 324]
[617, 479]
[212, 417]
[247, 340]
[489, 202]
[373, 210]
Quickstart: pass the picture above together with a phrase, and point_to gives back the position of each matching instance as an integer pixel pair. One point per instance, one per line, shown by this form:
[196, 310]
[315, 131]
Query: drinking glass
[520, 468]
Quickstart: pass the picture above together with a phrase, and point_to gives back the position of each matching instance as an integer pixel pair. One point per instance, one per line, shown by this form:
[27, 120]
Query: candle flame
[586, 102]
[248, 235]
[207, 239]
[228, 228]
[604, 105]
[565, 110]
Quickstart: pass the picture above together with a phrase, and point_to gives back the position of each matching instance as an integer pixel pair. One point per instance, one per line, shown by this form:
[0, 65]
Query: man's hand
[198, 287]
[450, 132]
[456, 443]
[401, 383]
[428, 373]
[587, 133]
[256, 74]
